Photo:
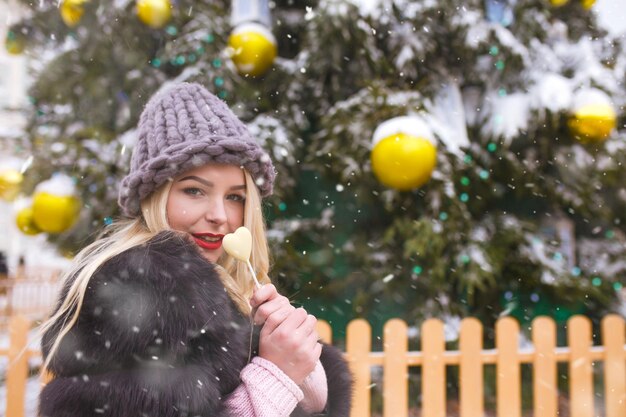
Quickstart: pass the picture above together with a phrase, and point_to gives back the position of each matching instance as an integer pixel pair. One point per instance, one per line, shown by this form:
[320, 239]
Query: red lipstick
[209, 241]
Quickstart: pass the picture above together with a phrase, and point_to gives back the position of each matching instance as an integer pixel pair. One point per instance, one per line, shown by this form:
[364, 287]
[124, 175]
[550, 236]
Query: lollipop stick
[256, 281]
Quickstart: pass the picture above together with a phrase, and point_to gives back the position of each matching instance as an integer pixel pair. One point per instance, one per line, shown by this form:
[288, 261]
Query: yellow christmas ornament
[252, 47]
[72, 11]
[404, 154]
[154, 13]
[25, 221]
[587, 4]
[593, 116]
[55, 206]
[10, 183]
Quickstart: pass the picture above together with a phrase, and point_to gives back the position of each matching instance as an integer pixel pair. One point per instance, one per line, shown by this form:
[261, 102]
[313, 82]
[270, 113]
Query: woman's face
[207, 202]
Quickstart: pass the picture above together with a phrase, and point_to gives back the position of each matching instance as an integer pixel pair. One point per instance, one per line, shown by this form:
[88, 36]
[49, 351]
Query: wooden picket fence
[30, 293]
[396, 359]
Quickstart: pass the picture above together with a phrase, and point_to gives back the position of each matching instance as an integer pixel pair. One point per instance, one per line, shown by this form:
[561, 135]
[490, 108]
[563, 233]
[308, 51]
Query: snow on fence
[395, 360]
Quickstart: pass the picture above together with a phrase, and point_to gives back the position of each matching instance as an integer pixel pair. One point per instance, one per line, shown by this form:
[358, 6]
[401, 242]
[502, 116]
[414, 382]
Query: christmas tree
[493, 185]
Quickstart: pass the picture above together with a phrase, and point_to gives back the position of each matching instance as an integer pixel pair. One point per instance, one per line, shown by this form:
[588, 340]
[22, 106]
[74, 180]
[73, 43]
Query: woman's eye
[236, 197]
[192, 191]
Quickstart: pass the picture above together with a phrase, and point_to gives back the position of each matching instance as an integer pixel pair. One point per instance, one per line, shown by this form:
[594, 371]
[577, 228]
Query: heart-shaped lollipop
[239, 246]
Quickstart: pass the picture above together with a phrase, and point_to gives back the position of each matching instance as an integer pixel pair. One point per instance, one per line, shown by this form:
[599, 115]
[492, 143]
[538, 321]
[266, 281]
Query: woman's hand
[289, 336]
[266, 301]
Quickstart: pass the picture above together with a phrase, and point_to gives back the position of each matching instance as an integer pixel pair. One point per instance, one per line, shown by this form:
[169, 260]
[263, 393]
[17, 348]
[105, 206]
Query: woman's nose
[216, 213]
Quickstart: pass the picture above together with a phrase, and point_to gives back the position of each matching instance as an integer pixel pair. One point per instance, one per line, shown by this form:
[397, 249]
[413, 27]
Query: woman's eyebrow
[210, 184]
[200, 180]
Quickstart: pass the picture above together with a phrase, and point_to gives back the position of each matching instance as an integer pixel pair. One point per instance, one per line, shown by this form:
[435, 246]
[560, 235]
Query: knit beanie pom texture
[183, 127]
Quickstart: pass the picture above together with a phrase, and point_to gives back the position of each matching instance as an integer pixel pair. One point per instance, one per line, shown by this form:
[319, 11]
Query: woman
[155, 320]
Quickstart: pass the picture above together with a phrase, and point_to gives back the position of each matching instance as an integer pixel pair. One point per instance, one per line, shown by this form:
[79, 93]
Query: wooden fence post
[433, 369]
[613, 338]
[358, 346]
[395, 369]
[545, 392]
[580, 369]
[17, 371]
[508, 384]
[471, 369]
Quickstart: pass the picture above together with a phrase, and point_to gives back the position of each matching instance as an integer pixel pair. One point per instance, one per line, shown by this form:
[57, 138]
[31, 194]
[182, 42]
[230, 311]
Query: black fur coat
[158, 336]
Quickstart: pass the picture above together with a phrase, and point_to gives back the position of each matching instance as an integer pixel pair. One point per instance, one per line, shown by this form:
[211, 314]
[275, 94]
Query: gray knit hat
[183, 127]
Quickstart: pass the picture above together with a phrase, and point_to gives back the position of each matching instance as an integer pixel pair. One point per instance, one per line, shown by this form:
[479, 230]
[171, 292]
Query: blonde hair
[127, 234]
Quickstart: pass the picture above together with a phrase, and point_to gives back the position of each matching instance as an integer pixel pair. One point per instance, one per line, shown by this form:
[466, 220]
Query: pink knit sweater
[266, 391]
